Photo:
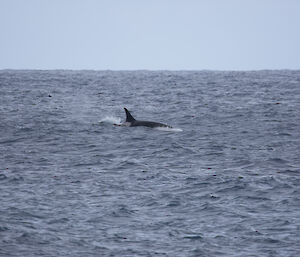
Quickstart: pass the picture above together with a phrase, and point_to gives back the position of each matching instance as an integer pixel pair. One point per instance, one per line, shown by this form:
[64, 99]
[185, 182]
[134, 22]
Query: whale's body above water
[132, 122]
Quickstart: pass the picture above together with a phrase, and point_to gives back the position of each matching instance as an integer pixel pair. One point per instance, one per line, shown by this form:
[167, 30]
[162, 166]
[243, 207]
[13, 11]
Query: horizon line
[151, 70]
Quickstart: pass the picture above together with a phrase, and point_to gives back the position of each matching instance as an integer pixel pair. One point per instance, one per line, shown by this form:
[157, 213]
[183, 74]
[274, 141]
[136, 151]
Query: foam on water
[169, 129]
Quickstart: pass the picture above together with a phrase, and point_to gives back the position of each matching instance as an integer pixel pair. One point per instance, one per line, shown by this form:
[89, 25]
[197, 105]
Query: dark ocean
[225, 181]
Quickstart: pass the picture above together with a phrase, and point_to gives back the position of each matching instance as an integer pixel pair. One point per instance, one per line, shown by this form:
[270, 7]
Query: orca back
[132, 122]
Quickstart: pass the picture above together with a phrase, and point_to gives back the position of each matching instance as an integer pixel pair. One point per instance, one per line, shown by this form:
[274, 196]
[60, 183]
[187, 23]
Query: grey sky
[150, 34]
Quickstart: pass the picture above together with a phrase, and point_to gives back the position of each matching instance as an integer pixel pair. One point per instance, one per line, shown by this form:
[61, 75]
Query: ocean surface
[225, 181]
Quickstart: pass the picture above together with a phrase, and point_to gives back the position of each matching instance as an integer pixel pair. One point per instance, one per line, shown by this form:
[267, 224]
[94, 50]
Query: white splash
[111, 120]
[169, 129]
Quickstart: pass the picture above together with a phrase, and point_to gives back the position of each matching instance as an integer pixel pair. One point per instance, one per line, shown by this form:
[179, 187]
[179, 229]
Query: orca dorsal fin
[129, 117]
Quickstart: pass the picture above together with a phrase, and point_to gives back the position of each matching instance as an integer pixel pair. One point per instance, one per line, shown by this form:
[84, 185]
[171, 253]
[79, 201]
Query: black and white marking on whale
[132, 122]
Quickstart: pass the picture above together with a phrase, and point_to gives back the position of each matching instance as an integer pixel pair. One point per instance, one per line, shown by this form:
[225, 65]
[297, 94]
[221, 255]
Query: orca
[132, 122]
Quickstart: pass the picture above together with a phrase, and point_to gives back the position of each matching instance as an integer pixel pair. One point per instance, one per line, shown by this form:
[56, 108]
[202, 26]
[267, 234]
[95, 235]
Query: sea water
[223, 182]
